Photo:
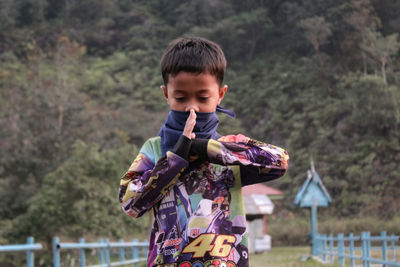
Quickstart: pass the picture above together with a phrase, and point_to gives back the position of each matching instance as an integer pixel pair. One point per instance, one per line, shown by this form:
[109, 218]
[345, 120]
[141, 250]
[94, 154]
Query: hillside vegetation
[79, 94]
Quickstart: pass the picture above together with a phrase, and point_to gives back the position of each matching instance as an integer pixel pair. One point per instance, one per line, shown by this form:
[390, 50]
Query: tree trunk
[60, 117]
[364, 63]
[252, 47]
[383, 70]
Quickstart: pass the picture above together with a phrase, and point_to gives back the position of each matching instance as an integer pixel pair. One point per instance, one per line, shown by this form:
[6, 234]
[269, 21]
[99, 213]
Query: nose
[192, 105]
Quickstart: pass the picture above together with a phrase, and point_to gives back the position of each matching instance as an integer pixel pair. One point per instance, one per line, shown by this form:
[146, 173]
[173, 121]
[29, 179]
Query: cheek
[170, 101]
[173, 104]
[210, 106]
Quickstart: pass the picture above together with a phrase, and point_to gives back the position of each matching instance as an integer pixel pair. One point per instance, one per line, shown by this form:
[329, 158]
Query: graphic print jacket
[199, 216]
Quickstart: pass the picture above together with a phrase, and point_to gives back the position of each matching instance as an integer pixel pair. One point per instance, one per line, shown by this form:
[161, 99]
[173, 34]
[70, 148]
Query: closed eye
[180, 99]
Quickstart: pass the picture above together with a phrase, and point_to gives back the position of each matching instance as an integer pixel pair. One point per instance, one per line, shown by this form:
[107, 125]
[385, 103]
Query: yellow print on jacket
[221, 247]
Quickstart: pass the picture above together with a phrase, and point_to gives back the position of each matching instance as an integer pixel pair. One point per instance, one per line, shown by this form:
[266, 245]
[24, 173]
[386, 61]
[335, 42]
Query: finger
[193, 136]
[192, 116]
[190, 123]
[192, 120]
[193, 158]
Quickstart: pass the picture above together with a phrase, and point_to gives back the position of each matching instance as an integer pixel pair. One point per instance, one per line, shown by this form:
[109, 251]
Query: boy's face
[200, 92]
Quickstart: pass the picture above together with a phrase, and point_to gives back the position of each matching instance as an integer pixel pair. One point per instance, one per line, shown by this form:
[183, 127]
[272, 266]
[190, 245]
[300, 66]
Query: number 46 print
[204, 243]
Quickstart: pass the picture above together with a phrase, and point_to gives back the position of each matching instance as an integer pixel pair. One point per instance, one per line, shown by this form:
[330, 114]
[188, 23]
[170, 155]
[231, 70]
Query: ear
[222, 92]
[165, 91]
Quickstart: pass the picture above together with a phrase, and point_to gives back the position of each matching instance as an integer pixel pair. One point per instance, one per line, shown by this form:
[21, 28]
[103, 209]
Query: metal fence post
[331, 248]
[368, 248]
[56, 252]
[323, 247]
[121, 251]
[108, 252]
[29, 253]
[393, 249]
[135, 251]
[340, 249]
[82, 260]
[145, 250]
[351, 236]
[314, 230]
[101, 252]
[365, 249]
[384, 247]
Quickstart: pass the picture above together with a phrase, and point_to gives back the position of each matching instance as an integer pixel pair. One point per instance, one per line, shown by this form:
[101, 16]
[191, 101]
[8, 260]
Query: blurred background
[79, 94]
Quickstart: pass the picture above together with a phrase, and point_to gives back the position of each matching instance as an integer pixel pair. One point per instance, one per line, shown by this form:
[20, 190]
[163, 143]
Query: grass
[285, 257]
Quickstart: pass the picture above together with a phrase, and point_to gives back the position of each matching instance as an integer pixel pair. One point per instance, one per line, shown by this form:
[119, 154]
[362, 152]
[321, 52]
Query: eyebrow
[200, 91]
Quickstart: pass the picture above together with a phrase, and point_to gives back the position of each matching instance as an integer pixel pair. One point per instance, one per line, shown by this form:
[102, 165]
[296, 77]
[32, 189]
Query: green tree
[80, 198]
[317, 31]
[381, 49]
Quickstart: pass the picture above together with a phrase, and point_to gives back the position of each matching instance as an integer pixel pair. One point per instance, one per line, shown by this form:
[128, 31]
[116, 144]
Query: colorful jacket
[199, 216]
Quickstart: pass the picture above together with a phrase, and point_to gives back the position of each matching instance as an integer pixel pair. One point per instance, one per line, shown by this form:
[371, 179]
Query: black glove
[182, 147]
[199, 148]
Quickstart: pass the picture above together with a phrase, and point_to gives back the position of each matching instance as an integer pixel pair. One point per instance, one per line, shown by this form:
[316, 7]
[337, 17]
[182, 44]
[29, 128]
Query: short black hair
[193, 55]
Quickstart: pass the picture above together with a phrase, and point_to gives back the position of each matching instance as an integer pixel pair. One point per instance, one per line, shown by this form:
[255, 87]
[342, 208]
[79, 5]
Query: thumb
[193, 136]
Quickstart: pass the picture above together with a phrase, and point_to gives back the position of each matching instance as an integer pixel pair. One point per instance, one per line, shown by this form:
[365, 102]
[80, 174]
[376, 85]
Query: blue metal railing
[29, 247]
[326, 247]
[104, 247]
[138, 251]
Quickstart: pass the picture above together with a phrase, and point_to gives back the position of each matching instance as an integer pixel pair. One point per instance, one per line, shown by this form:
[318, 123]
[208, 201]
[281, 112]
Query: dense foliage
[79, 93]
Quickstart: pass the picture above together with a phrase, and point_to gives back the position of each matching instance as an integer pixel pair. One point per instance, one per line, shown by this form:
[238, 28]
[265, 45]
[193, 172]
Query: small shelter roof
[260, 189]
[258, 204]
[257, 200]
[313, 191]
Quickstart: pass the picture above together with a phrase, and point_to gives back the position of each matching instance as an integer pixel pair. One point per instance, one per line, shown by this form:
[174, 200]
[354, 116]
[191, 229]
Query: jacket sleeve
[145, 183]
[259, 162]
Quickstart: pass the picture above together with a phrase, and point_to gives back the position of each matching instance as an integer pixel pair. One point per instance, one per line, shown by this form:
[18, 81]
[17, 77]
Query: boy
[189, 176]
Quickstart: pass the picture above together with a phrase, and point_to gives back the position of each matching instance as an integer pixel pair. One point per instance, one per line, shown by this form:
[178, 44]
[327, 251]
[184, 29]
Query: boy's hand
[190, 123]
[193, 158]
